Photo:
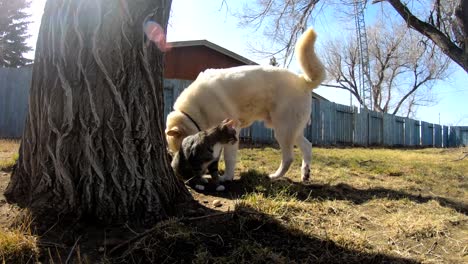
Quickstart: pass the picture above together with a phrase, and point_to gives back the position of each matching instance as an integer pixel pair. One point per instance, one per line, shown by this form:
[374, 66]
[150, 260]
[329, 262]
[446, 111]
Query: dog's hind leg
[306, 149]
[285, 139]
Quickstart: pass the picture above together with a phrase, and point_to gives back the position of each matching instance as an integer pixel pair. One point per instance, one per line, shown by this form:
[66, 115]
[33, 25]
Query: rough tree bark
[93, 143]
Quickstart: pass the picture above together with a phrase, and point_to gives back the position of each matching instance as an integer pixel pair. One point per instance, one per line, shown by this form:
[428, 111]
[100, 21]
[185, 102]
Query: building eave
[206, 43]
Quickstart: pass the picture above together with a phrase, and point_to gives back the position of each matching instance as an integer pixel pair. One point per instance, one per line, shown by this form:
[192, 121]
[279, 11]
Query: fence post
[369, 134]
[438, 136]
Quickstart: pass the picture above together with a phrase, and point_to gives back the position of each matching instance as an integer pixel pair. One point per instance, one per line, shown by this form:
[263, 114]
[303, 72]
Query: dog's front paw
[199, 187]
[220, 188]
[305, 173]
[204, 180]
[274, 177]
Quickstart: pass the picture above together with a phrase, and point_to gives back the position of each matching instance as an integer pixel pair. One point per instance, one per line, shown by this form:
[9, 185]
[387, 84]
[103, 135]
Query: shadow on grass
[241, 236]
[199, 235]
[254, 181]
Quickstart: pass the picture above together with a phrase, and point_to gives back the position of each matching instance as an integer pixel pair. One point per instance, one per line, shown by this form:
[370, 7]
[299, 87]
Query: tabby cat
[200, 152]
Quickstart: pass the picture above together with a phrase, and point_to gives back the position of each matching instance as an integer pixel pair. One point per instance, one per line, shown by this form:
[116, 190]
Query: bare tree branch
[400, 65]
[447, 24]
[457, 54]
[284, 22]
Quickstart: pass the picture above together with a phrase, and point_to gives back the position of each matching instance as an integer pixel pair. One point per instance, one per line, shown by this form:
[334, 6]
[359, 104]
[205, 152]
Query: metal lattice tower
[364, 71]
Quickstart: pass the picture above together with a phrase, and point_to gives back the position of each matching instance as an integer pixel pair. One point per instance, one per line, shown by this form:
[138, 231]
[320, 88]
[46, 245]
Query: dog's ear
[231, 123]
[173, 132]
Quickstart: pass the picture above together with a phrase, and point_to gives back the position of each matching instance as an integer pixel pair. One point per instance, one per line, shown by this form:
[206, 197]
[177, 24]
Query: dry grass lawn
[361, 206]
[8, 153]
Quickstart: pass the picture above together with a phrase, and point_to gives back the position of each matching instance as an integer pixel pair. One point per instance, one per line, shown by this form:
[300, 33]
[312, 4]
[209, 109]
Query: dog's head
[178, 127]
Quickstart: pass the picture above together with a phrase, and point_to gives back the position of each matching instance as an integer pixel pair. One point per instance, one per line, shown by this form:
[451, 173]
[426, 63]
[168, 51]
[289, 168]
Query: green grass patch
[8, 154]
[17, 243]
[7, 164]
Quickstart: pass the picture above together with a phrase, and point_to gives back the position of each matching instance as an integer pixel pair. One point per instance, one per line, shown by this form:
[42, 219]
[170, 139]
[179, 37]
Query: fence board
[427, 132]
[261, 134]
[417, 133]
[445, 136]
[409, 127]
[409, 132]
[14, 92]
[327, 114]
[361, 127]
[375, 129]
[172, 90]
[437, 136]
[454, 136]
[463, 136]
[312, 131]
[246, 134]
[388, 125]
[458, 136]
[399, 131]
[412, 132]
[344, 124]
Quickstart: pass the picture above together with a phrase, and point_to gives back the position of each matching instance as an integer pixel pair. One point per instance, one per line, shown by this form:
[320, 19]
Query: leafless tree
[93, 143]
[403, 68]
[284, 22]
[443, 22]
[446, 25]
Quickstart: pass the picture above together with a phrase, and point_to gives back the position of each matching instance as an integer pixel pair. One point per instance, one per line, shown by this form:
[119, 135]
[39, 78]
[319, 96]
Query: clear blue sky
[210, 20]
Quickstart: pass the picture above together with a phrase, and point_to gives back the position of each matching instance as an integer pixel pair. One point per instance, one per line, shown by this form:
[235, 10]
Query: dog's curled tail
[308, 60]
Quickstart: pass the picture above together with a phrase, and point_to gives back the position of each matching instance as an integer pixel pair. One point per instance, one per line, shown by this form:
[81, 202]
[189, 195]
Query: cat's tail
[308, 60]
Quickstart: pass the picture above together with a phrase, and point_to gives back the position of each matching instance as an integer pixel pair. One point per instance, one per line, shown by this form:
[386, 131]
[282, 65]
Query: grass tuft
[8, 153]
[17, 243]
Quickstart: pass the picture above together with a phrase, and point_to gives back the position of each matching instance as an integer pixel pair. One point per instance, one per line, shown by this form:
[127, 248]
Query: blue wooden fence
[332, 124]
[172, 90]
[458, 136]
[14, 90]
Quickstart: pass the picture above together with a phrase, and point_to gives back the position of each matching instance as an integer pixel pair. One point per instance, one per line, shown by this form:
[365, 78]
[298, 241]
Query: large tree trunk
[93, 143]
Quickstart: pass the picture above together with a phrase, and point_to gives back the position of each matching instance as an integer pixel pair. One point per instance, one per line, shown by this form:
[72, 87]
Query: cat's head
[228, 131]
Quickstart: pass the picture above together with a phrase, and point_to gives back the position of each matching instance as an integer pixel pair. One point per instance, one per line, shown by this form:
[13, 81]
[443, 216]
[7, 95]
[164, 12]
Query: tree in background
[93, 144]
[403, 68]
[13, 33]
[446, 25]
[444, 22]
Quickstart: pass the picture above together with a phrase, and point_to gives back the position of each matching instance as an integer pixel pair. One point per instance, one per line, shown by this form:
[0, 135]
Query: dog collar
[191, 119]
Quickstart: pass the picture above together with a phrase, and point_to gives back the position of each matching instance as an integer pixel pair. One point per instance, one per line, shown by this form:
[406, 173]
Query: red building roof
[187, 59]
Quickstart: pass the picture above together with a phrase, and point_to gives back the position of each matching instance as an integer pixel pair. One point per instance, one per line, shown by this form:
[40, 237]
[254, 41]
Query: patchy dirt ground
[362, 206]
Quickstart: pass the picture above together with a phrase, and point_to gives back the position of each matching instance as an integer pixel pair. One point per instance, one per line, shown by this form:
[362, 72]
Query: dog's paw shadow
[259, 182]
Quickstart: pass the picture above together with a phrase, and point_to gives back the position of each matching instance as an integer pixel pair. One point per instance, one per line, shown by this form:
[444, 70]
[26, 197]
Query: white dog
[275, 95]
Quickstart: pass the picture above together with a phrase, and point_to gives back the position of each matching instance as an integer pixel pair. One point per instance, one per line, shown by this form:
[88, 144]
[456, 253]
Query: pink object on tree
[156, 34]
